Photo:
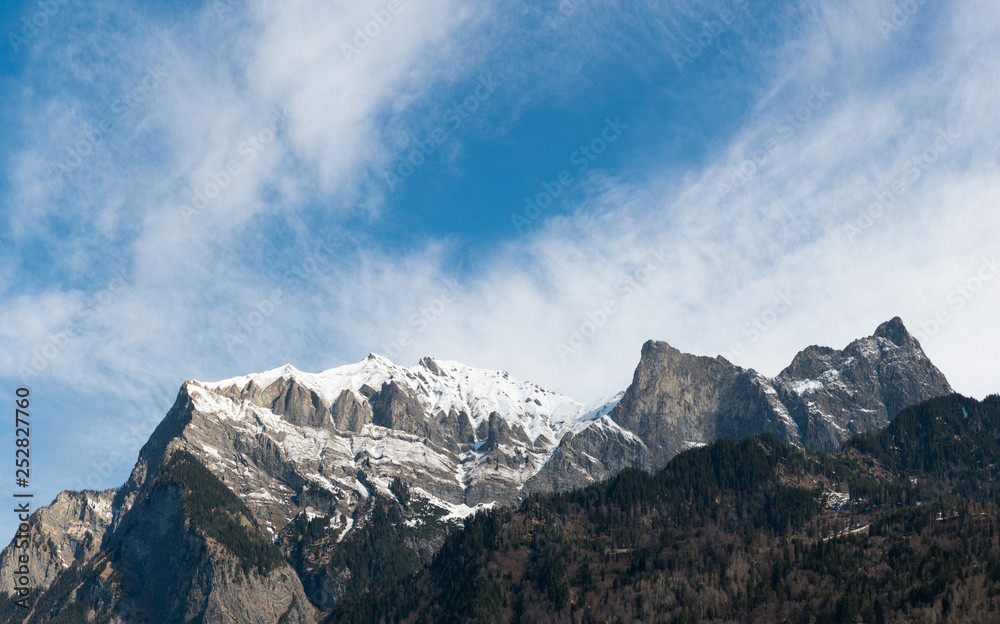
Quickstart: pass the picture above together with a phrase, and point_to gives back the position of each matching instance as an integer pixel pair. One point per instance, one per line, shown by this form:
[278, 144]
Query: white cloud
[198, 286]
[784, 229]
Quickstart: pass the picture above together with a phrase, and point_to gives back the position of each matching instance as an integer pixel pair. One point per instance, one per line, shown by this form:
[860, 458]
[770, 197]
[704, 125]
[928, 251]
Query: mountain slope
[317, 465]
[376, 462]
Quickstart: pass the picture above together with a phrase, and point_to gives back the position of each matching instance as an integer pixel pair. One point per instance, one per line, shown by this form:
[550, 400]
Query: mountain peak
[823, 397]
[894, 331]
[381, 359]
[651, 346]
[431, 365]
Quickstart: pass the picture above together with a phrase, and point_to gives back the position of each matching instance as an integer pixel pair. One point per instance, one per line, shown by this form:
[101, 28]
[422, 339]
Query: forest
[898, 526]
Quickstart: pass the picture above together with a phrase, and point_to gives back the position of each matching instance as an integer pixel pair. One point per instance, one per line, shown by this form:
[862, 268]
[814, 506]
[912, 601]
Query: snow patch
[361, 489]
[347, 527]
[807, 386]
[836, 500]
[456, 387]
[455, 512]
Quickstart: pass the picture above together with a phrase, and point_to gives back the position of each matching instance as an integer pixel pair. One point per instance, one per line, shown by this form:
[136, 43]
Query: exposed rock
[396, 407]
[350, 414]
[596, 453]
[69, 530]
[677, 400]
[299, 405]
[832, 394]
[499, 433]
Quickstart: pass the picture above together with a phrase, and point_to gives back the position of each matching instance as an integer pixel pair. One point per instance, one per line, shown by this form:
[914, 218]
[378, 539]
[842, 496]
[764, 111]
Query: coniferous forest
[899, 526]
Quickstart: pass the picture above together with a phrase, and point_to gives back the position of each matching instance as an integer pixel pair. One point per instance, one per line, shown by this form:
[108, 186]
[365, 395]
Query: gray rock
[596, 453]
[677, 400]
[350, 414]
[68, 531]
[833, 395]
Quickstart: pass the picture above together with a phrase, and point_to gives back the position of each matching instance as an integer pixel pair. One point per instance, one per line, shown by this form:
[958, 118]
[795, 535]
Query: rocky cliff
[677, 400]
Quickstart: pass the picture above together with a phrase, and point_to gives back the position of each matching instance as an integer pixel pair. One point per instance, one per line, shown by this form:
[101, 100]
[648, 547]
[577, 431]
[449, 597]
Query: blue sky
[202, 190]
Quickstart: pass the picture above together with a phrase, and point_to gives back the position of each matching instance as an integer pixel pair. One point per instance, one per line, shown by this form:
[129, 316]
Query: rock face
[305, 462]
[825, 396]
[832, 395]
[596, 453]
[170, 568]
[68, 531]
[149, 552]
[677, 401]
[311, 457]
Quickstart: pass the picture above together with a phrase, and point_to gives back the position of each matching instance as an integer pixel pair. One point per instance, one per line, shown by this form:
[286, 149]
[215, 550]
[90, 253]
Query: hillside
[899, 526]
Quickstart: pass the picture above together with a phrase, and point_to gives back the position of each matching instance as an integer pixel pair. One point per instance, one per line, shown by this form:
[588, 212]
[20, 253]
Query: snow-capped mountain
[464, 436]
[253, 492]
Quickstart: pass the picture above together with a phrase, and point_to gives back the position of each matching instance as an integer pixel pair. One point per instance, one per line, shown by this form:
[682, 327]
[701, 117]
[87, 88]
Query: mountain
[307, 463]
[275, 496]
[677, 401]
[68, 530]
[899, 526]
[832, 395]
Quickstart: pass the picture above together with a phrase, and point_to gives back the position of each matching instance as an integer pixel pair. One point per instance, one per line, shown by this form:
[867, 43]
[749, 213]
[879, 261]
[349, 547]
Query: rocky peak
[810, 362]
[895, 332]
[350, 412]
[299, 405]
[69, 530]
[833, 394]
[678, 400]
[824, 396]
[431, 366]
[498, 433]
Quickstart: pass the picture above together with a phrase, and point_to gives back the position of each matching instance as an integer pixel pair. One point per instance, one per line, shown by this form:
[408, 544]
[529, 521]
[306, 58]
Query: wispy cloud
[247, 242]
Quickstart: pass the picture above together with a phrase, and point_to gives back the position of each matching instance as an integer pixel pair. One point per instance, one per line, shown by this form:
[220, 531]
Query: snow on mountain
[464, 437]
[442, 386]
